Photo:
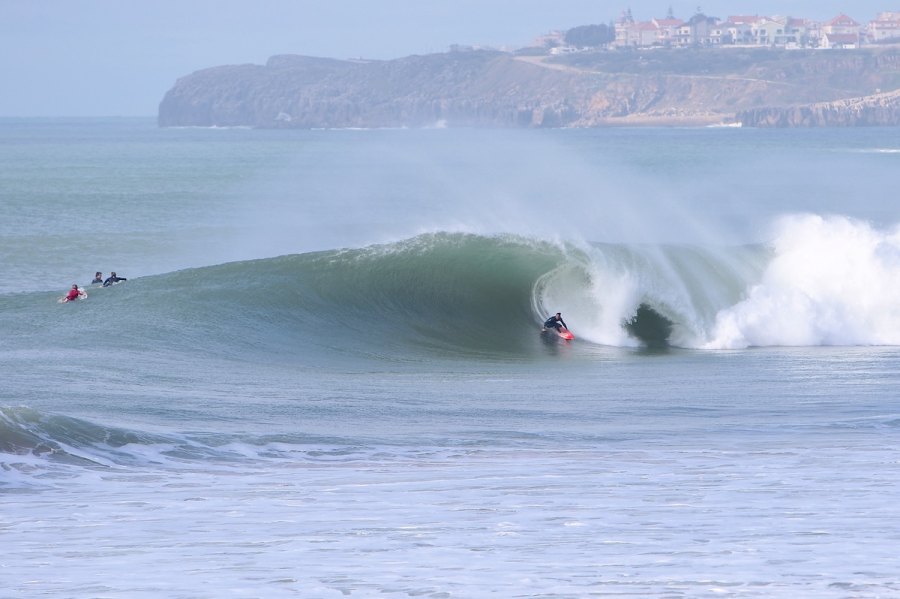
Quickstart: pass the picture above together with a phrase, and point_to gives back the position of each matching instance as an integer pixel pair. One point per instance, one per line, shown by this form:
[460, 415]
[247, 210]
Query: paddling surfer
[74, 294]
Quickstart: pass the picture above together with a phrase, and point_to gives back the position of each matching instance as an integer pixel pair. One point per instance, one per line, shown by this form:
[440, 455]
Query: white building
[885, 28]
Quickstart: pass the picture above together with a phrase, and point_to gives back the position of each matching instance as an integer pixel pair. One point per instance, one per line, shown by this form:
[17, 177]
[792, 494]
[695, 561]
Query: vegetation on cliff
[497, 89]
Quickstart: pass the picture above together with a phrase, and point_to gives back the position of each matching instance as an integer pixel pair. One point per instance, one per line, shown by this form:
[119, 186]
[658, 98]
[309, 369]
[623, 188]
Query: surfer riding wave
[557, 323]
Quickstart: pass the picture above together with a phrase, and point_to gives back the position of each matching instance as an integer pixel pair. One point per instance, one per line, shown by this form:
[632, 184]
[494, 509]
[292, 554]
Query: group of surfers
[77, 292]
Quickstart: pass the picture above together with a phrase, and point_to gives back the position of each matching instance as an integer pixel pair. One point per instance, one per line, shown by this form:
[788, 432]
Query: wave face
[824, 281]
[438, 293]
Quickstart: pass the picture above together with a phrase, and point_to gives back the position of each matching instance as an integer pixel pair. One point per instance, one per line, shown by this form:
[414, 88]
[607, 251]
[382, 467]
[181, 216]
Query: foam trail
[833, 281]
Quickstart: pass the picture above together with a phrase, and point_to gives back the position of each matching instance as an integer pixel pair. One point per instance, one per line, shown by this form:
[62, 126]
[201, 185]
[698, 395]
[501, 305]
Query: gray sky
[119, 57]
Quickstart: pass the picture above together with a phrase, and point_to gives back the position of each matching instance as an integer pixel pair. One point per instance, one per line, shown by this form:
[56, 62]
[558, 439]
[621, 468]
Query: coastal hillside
[754, 87]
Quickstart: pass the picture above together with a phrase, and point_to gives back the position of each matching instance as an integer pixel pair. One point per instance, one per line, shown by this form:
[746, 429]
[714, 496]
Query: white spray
[833, 281]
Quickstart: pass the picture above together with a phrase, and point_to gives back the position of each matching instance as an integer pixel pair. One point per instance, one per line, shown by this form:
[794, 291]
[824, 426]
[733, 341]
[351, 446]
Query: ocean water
[324, 376]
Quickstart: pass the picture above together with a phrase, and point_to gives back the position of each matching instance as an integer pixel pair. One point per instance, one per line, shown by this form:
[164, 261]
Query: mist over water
[707, 187]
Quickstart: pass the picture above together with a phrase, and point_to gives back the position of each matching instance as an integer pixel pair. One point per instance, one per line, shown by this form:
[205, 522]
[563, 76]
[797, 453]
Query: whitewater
[325, 377]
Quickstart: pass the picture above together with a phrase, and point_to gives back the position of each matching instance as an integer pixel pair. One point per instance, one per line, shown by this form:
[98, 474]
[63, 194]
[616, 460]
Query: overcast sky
[119, 57]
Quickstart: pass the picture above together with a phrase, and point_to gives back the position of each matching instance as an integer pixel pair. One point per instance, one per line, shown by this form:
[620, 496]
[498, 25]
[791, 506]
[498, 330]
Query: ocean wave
[40, 450]
[822, 281]
[448, 294]
[40, 445]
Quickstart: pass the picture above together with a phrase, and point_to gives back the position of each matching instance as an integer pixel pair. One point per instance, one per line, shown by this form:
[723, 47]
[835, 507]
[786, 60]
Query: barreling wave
[823, 281]
[445, 294]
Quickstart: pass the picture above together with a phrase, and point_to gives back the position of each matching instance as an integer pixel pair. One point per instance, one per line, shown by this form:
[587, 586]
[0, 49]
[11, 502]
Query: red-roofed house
[840, 32]
[841, 24]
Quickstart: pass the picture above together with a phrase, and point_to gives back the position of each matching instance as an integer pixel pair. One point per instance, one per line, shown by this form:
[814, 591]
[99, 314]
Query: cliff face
[875, 110]
[463, 89]
[501, 90]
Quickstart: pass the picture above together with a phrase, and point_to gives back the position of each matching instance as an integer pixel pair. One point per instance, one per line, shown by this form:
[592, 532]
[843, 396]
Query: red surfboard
[563, 333]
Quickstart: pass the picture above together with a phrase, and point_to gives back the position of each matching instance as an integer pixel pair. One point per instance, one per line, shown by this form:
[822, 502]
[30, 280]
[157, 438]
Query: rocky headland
[752, 87]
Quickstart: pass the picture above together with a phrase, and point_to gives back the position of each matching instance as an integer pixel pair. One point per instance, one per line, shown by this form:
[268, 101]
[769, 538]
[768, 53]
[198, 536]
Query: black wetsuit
[555, 322]
[112, 280]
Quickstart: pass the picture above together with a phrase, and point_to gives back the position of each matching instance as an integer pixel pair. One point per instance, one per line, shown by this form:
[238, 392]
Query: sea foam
[833, 281]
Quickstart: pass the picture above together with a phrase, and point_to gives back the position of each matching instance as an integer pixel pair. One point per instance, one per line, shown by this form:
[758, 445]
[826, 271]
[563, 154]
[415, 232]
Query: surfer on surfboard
[74, 294]
[556, 322]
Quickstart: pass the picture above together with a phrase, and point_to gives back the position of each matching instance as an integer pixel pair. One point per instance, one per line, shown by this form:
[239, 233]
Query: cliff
[875, 110]
[496, 89]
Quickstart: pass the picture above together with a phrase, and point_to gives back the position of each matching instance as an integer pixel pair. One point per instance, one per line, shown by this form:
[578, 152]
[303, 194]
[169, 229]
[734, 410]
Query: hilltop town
[776, 72]
[841, 32]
